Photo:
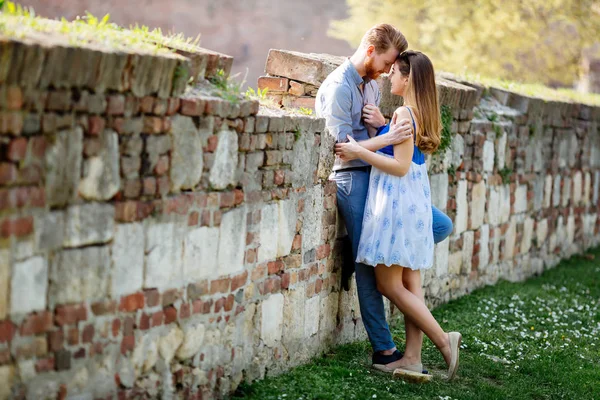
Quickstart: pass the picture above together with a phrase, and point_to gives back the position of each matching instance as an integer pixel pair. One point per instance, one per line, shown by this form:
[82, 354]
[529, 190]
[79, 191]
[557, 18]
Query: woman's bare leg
[390, 283]
[414, 336]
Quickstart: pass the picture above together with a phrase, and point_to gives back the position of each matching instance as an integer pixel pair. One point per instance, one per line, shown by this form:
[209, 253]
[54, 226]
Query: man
[349, 92]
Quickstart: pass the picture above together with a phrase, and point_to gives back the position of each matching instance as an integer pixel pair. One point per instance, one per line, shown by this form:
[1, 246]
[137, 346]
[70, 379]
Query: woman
[397, 237]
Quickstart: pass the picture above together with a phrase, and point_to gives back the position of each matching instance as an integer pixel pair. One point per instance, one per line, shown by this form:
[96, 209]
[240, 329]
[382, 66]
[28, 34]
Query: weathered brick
[169, 297]
[170, 315]
[196, 290]
[152, 297]
[37, 323]
[16, 227]
[273, 84]
[132, 302]
[149, 186]
[70, 314]
[7, 331]
[239, 280]
[192, 107]
[220, 285]
[88, 334]
[11, 122]
[115, 105]
[17, 148]
[55, 340]
[104, 307]
[96, 125]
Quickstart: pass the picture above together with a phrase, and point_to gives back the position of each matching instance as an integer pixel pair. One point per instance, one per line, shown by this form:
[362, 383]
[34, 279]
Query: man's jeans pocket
[344, 182]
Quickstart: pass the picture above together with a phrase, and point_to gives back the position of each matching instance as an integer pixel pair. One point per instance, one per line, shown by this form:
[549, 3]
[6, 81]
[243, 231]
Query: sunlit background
[553, 42]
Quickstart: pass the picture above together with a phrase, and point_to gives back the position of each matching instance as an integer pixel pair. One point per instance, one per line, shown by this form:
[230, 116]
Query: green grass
[539, 339]
[20, 22]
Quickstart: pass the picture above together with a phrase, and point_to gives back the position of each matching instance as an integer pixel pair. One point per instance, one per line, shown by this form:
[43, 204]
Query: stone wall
[155, 240]
[159, 242]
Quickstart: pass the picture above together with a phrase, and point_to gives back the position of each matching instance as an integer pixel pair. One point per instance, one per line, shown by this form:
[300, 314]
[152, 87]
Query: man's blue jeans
[352, 188]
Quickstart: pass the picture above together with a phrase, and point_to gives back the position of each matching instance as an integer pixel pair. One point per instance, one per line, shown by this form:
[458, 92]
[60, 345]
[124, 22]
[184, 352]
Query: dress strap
[413, 119]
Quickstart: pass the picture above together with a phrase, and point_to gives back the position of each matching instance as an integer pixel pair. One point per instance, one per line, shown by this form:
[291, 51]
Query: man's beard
[370, 71]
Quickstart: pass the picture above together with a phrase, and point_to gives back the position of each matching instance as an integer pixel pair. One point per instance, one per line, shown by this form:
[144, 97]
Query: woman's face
[399, 82]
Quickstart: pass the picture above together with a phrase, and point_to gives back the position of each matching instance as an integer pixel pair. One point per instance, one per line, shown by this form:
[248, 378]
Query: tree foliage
[526, 40]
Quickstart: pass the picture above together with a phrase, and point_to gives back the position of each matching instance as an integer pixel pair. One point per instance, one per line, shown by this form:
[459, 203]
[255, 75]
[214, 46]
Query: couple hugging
[383, 192]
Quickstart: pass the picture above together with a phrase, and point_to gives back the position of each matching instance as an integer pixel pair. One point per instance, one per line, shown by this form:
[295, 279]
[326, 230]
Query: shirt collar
[356, 78]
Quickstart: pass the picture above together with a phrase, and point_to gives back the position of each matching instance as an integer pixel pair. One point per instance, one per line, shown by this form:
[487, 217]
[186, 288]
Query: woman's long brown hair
[421, 93]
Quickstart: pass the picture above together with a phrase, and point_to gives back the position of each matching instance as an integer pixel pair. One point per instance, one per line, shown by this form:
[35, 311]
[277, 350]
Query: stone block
[79, 275]
[313, 212]
[326, 155]
[232, 241]
[271, 327]
[127, 259]
[510, 238]
[201, 254]
[457, 151]
[596, 189]
[439, 190]
[556, 191]
[541, 231]
[4, 282]
[193, 339]
[101, 174]
[501, 151]
[168, 344]
[293, 318]
[488, 156]
[63, 160]
[49, 230]
[504, 203]
[268, 233]
[455, 263]
[484, 249]
[299, 67]
[520, 199]
[527, 237]
[186, 154]
[467, 251]
[89, 223]
[311, 316]
[29, 286]
[478, 199]
[566, 191]
[547, 191]
[7, 378]
[587, 189]
[223, 171]
[462, 208]
[304, 160]
[164, 255]
[577, 188]
[288, 217]
[441, 258]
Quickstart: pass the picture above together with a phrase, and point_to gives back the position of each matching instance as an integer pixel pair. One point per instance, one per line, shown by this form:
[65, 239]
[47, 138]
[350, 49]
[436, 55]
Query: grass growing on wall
[18, 22]
[446, 137]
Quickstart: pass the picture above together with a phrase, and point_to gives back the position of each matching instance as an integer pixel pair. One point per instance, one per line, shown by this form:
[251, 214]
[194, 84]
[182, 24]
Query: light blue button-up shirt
[340, 101]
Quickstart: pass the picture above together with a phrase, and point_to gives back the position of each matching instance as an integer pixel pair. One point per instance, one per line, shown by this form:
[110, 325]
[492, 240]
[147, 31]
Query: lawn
[538, 339]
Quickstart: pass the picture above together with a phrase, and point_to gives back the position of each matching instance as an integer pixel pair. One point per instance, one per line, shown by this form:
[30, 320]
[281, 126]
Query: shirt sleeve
[337, 111]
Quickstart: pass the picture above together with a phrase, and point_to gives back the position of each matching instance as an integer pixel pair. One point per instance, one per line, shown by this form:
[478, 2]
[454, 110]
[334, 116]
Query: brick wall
[156, 241]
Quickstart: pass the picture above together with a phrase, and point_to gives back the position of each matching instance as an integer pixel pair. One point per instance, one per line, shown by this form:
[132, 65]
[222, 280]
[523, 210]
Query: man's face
[379, 63]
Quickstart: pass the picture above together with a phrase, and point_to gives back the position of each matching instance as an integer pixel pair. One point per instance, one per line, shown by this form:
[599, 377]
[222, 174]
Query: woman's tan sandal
[455, 339]
[413, 373]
